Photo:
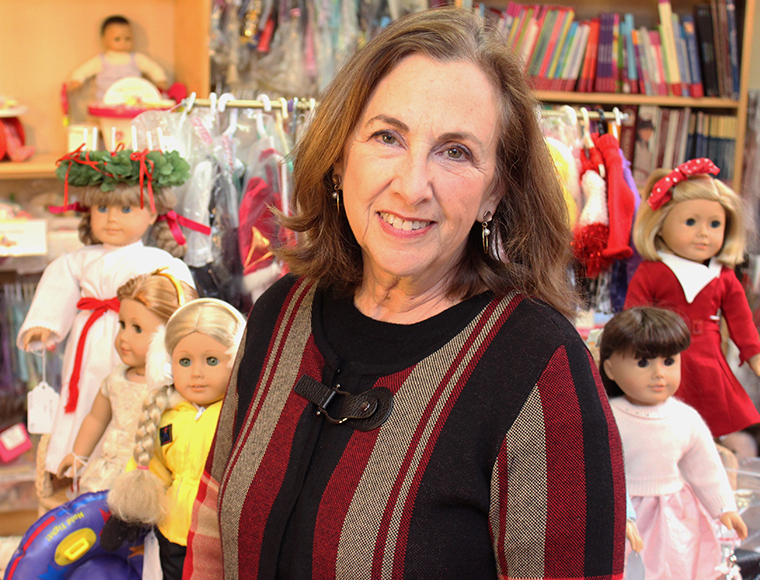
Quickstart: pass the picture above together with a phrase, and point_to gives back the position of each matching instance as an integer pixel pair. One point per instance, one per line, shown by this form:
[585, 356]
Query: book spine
[692, 50]
[592, 51]
[683, 61]
[733, 46]
[633, 71]
[703, 21]
[668, 47]
[563, 61]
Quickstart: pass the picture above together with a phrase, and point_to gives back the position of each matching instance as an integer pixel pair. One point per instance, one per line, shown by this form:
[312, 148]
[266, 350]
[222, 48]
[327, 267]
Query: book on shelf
[719, 44]
[588, 72]
[662, 136]
[554, 80]
[647, 125]
[668, 48]
[733, 47]
[703, 21]
[656, 60]
[630, 54]
[692, 51]
[628, 131]
[604, 82]
[682, 57]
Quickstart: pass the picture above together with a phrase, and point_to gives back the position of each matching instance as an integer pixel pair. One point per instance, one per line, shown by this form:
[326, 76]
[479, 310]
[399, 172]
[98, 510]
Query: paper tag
[13, 437]
[42, 402]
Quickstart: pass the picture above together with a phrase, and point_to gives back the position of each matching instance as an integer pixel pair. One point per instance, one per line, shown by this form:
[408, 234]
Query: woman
[414, 404]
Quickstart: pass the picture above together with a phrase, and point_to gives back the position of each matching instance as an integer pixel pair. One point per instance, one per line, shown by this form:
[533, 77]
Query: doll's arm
[733, 521]
[640, 290]
[54, 305]
[83, 72]
[738, 317]
[152, 70]
[92, 429]
[632, 535]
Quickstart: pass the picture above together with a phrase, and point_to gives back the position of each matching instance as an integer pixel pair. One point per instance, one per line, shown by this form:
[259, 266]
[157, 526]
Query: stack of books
[691, 55]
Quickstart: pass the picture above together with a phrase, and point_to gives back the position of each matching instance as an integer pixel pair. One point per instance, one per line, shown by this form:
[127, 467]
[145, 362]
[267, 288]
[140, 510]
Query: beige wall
[754, 70]
[42, 41]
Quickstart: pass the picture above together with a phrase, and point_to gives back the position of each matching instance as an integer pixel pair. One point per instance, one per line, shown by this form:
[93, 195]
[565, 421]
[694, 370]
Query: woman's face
[417, 169]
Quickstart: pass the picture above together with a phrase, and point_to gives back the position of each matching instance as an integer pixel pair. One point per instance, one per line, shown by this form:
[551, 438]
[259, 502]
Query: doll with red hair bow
[690, 232]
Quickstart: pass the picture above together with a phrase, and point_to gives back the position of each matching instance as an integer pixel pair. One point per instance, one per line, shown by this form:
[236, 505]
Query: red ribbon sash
[175, 220]
[99, 308]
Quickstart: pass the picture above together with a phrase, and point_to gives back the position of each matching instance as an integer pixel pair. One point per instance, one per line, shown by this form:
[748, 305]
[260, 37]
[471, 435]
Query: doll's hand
[754, 364]
[633, 537]
[73, 85]
[36, 334]
[68, 461]
[733, 521]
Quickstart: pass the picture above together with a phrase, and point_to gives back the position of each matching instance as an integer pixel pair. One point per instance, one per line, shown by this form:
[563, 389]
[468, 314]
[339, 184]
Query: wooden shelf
[635, 99]
[39, 166]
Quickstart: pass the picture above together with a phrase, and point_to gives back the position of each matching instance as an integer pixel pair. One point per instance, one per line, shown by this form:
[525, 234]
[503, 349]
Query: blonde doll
[176, 429]
[122, 195]
[673, 472]
[690, 233]
[146, 302]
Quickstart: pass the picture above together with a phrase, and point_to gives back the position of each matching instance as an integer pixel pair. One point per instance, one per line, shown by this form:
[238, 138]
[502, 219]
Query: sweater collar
[661, 411]
[692, 276]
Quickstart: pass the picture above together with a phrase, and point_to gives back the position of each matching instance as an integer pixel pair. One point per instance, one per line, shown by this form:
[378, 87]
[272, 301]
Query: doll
[117, 61]
[176, 429]
[673, 472]
[76, 295]
[146, 302]
[690, 233]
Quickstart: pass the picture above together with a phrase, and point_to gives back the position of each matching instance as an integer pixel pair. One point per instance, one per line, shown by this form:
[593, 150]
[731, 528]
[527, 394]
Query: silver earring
[337, 191]
[486, 233]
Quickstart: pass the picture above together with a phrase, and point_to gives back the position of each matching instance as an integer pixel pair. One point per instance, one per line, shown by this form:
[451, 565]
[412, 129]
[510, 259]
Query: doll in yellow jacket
[177, 427]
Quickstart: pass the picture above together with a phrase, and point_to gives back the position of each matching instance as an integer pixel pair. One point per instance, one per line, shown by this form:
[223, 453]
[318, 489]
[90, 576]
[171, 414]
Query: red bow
[75, 157]
[141, 156]
[661, 192]
[99, 308]
[76, 206]
[175, 220]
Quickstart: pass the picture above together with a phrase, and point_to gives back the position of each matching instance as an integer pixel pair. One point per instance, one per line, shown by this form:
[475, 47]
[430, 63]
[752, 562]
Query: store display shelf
[635, 99]
[38, 166]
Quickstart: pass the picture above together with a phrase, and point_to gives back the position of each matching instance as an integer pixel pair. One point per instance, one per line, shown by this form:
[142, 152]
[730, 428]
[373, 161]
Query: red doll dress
[701, 294]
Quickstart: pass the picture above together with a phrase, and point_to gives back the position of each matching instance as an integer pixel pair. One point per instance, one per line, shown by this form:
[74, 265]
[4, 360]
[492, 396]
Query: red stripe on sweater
[406, 518]
[565, 490]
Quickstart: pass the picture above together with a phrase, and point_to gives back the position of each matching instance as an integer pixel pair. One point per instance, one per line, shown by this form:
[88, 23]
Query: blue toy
[64, 545]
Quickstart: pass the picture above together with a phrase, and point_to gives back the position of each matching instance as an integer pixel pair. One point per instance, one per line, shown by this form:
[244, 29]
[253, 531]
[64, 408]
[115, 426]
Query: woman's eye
[454, 153]
[715, 224]
[385, 137]
[690, 222]
[643, 363]
[212, 361]
[126, 209]
[184, 362]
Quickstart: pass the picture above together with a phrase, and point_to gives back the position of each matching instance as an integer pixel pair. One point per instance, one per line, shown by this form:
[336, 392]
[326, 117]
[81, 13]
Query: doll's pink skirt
[679, 540]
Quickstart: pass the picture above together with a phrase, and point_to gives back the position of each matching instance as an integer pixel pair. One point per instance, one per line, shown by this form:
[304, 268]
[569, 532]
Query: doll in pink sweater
[674, 476]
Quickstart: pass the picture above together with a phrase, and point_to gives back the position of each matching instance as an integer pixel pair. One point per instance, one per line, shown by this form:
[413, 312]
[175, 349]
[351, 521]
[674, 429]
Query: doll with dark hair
[674, 475]
[122, 196]
[117, 61]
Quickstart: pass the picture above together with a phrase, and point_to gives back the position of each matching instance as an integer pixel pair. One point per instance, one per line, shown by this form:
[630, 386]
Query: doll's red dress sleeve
[738, 316]
[641, 290]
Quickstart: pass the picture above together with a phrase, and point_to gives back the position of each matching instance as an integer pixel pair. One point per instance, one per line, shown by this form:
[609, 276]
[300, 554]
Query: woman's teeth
[401, 224]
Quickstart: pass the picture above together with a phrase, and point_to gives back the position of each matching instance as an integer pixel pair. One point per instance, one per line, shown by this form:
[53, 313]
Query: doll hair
[115, 19]
[129, 195]
[157, 293]
[643, 332]
[137, 496]
[646, 231]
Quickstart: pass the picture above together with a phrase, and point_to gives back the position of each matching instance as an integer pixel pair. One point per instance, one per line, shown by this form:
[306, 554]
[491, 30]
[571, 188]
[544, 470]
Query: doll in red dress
[690, 233]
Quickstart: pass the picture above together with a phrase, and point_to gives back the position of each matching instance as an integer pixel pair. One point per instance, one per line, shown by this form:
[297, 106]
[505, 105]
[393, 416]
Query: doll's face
[694, 229]
[118, 225]
[645, 381]
[136, 327]
[118, 37]
[201, 369]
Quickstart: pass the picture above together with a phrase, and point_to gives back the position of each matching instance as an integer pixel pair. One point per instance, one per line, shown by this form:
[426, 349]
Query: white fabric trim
[692, 276]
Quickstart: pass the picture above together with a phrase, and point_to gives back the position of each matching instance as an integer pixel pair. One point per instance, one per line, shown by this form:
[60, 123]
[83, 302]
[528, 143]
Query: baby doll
[76, 295]
[146, 302]
[673, 472]
[176, 429]
[690, 233]
[117, 62]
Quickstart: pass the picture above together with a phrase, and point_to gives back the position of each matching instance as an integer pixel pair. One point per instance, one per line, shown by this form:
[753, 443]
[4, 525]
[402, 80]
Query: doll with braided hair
[146, 303]
[122, 195]
[690, 232]
[176, 430]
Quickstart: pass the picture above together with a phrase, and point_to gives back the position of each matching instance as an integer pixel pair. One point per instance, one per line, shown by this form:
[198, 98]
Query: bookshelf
[646, 14]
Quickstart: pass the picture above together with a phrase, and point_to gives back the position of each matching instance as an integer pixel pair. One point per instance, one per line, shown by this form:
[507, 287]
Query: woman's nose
[413, 178]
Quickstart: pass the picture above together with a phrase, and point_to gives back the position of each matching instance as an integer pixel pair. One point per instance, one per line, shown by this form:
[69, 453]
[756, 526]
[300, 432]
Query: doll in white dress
[146, 303]
[674, 475]
[122, 196]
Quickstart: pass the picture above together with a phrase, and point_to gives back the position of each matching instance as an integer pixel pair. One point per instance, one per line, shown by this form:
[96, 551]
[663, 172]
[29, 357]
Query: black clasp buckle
[365, 411]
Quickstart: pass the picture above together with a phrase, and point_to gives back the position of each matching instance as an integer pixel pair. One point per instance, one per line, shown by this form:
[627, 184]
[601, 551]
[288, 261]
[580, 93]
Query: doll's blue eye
[690, 222]
[643, 363]
[102, 209]
[669, 362]
[138, 329]
[126, 209]
[715, 224]
[184, 362]
[121, 324]
[212, 361]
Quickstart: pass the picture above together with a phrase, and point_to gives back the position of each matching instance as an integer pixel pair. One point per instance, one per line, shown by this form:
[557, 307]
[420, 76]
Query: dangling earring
[486, 230]
[337, 191]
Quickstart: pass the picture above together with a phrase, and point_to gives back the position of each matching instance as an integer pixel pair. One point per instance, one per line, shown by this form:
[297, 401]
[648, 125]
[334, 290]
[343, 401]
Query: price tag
[42, 402]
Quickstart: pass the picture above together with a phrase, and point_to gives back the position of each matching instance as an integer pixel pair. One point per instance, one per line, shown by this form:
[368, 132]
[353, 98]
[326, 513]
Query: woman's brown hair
[530, 240]
[642, 332]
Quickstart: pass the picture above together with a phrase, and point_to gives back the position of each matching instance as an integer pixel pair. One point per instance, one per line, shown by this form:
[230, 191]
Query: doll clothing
[677, 486]
[111, 66]
[94, 272]
[702, 294]
[118, 441]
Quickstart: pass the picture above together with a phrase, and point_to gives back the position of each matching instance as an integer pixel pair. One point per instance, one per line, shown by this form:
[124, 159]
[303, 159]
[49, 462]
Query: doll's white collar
[661, 411]
[692, 276]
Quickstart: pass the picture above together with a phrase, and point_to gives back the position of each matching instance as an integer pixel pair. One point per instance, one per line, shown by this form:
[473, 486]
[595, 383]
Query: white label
[13, 437]
[20, 237]
[42, 402]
